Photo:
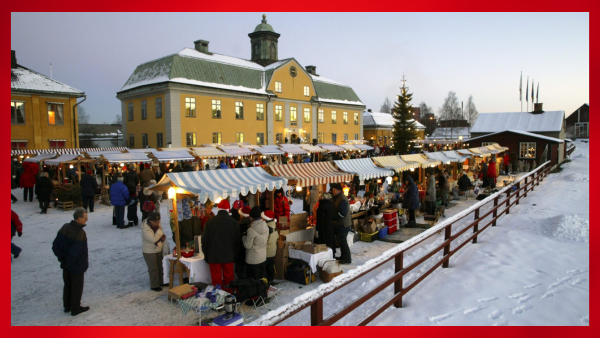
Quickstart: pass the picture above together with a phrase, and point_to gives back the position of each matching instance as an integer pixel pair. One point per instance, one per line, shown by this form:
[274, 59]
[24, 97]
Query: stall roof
[143, 150]
[176, 149]
[349, 147]
[395, 163]
[307, 174]
[311, 148]
[457, 156]
[209, 152]
[363, 146]
[332, 148]
[66, 158]
[40, 157]
[498, 147]
[440, 156]
[293, 149]
[166, 156]
[470, 153]
[126, 157]
[221, 183]
[483, 152]
[492, 149]
[421, 159]
[364, 168]
[265, 150]
[98, 153]
[236, 151]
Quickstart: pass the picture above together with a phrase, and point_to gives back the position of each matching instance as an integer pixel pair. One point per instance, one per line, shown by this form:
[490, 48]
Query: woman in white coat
[255, 243]
[153, 240]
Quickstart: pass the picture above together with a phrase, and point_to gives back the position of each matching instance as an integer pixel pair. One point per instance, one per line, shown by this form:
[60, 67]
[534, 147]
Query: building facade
[43, 110]
[578, 123]
[196, 97]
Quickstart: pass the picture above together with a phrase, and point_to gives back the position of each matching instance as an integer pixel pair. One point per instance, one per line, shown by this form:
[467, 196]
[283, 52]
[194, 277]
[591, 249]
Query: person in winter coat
[71, 249]
[342, 222]
[147, 196]
[147, 175]
[506, 163]
[206, 214]
[410, 200]
[222, 165]
[220, 245]
[464, 183]
[16, 228]
[239, 164]
[269, 217]
[442, 182]
[324, 228]
[119, 195]
[240, 261]
[255, 243]
[43, 190]
[131, 181]
[491, 172]
[484, 171]
[153, 240]
[27, 182]
[430, 196]
[13, 173]
[376, 151]
[19, 170]
[88, 190]
[282, 206]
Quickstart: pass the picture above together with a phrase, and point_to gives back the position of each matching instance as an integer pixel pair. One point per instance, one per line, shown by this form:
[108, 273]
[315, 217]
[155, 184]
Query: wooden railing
[571, 150]
[514, 192]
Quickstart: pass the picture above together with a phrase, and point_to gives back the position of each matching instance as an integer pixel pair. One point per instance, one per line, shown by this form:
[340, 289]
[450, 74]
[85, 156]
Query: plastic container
[235, 320]
[369, 237]
[392, 229]
[383, 232]
[391, 222]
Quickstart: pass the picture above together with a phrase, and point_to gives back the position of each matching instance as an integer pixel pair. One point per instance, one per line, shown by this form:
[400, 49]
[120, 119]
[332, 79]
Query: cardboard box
[281, 258]
[180, 291]
[298, 222]
[327, 277]
[369, 226]
[298, 245]
[357, 224]
[314, 248]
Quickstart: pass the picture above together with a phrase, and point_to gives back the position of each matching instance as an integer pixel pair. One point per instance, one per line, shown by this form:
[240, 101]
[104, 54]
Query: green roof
[208, 71]
[264, 26]
[330, 91]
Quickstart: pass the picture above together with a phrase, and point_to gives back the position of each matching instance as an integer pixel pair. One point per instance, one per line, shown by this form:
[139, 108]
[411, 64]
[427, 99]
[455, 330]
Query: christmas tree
[404, 125]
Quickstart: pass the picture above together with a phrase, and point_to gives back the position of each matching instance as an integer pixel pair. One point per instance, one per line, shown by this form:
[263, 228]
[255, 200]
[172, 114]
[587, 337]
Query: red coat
[506, 159]
[282, 208]
[491, 172]
[14, 218]
[28, 177]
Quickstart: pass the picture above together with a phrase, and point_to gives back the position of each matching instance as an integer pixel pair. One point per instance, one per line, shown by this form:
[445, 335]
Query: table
[199, 271]
[452, 184]
[311, 259]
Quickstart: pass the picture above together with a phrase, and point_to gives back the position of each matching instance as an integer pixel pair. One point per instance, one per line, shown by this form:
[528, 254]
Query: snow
[554, 139]
[29, 80]
[325, 80]
[384, 119]
[356, 103]
[494, 122]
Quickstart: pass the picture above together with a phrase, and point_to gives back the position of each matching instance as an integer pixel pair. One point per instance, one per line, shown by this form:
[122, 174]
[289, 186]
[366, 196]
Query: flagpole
[521, 91]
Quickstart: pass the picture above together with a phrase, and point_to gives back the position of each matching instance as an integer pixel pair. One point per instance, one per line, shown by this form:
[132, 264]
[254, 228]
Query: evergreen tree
[404, 125]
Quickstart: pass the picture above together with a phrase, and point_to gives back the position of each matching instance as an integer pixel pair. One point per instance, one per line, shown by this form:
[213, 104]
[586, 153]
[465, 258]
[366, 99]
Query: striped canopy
[440, 156]
[311, 148]
[98, 153]
[62, 151]
[349, 147]
[293, 149]
[459, 157]
[307, 174]
[394, 163]
[125, 158]
[176, 149]
[425, 162]
[236, 150]
[332, 148]
[40, 157]
[166, 156]
[364, 168]
[221, 183]
[468, 152]
[209, 152]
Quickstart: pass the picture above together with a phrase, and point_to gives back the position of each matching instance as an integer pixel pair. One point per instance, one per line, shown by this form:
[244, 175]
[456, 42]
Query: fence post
[533, 182]
[399, 265]
[476, 226]
[316, 312]
[495, 211]
[518, 192]
[447, 235]
[508, 202]
[525, 194]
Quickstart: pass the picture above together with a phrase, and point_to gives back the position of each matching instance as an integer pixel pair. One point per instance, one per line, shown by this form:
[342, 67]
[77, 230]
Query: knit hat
[89, 172]
[154, 216]
[336, 186]
[255, 212]
[268, 215]
[245, 211]
[224, 205]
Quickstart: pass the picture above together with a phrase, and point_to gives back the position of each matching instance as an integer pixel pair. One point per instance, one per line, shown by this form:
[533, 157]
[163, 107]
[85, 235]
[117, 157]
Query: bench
[432, 219]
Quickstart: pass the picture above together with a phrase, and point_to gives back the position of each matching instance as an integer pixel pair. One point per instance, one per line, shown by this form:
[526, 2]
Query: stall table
[311, 259]
[196, 268]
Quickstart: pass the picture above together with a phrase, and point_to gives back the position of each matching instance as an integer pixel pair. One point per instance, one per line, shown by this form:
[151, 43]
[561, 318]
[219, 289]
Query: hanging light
[70, 166]
[379, 181]
[298, 188]
[346, 191]
[389, 179]
[171, 193]
[412, 169]
[218, 200]
[239, 157]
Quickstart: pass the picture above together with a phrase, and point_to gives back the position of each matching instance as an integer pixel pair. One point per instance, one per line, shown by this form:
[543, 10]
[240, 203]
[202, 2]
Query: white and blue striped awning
[363, 167]
[421, 159]
[395, 163]
[454, 154]
[166, 156]
[221, 183]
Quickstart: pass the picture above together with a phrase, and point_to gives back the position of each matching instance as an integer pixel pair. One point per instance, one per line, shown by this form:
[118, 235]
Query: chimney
[537, 108]
[312, 70]
[201, 46]
[13, 59]
[369, 110]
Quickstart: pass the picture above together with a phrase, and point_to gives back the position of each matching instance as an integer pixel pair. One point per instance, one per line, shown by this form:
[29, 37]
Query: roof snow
[383, 120]
[522, 133]
[450, 133]
[548, 121]
[24, 79]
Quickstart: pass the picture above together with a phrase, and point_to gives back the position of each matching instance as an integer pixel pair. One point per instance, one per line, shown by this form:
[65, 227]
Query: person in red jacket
[16, 228]
[491, 172]
[282, 206]
[27, 181]
[506, 163]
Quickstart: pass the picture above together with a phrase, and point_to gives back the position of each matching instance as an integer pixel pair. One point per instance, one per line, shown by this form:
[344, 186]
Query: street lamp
[460, 142]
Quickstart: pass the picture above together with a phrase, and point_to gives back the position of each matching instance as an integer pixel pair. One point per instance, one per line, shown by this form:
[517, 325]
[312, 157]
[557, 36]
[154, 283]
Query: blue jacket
[118, 194]
[410, 199]
[223, 166]
[306, 160]
[70, 247]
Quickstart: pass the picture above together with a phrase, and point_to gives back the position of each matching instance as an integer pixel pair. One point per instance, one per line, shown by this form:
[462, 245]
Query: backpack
[299, 272]
[244, 289]
[148, 206]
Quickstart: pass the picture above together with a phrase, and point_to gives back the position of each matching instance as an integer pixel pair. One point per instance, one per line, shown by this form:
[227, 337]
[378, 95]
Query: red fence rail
[514, 193]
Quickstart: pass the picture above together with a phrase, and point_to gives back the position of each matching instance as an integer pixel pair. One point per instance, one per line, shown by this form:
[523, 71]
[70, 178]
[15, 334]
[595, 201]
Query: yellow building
[43, 110]
[379, 128]
[196, 97]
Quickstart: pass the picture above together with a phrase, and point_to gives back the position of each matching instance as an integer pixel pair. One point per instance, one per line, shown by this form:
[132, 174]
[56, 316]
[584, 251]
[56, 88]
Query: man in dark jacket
[88, 190]
[131, 181]
[410, 200]
[324, 227]
[342, 221]
[147, 175]
[43, 190]
[70, 247]
[442, 186]
[119, 195]
[220, 245]
[484, 174]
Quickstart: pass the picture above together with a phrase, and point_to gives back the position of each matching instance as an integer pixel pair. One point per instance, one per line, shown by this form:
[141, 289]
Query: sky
[478, 54]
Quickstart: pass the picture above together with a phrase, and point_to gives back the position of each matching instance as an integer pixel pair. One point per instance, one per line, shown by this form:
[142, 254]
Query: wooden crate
[68, 205]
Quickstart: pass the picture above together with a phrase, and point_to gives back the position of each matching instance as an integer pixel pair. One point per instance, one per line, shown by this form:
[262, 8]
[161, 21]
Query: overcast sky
[471, 53]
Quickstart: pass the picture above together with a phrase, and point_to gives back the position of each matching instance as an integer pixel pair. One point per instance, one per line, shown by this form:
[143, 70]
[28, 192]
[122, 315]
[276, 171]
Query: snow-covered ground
[530, 270]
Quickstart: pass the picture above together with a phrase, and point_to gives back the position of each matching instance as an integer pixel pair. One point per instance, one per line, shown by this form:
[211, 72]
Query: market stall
[208, 155]
[314, 151]
[364, 168]
[236, 152]
[265, 150]
[293, 150]
[308, 174]
[332, 148]
[41, 157]
[96, 153]
[168, 156]
[395, 163]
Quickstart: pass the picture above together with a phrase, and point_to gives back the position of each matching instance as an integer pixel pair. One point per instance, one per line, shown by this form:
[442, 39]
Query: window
[321, 138]
[144, 110]
[158, 107]
[345, 114]
[57, 144]
[190, 107]
[278, 87]
[306, 91]
[260, 139]
[216, 109]
[356, 136]
[239, 110]
[17, 112]
[18, 144]
[130, 111]
[278, 113]
[306, 114]
[239, 137]
[333, 137]
[333, 117]
[527, 149]
[216, 138]
[144, 140]
[356, 118]
[131, 141]
[190, 139]
[260, 111]
[159, 140]
[293, 116]
[321, 116]
[345, 137]
[308, 139]
[582, 129]
[55, 114]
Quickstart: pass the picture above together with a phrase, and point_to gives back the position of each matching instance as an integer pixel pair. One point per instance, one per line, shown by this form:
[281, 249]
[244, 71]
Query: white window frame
[260, 139]
[260, 111]
[60, 111]
[278, 137]
[217, 137]
[216, 109]
[190, 107]
[278, 87]
[293, 116]
[356, 136]
[278, 113]
[144, 136]
[579, 126]
[16, 110]
[158, 107]
[345, 117]
[321, 116]
[239, 137]
[526, 148]
[333, 117]
[321, 137]
[144, 105]
[307, 115]
[239, 110]
[356, 119]
[162, 140]
[334, 138]
[306, 91]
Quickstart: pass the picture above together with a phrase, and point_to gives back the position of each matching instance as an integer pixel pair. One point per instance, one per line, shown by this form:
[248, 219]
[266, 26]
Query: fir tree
[404, 125]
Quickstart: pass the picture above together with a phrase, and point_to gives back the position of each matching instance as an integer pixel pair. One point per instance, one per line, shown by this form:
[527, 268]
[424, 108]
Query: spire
[263, 43]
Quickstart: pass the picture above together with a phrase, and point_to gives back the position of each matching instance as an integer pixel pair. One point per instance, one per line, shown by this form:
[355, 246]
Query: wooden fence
[514, 192]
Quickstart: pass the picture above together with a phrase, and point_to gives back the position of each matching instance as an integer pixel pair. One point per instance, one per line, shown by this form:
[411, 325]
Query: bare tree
[425, 109]
[471, 112]
[450, 111]
[386, 107]
[82, 116]
[118, 119]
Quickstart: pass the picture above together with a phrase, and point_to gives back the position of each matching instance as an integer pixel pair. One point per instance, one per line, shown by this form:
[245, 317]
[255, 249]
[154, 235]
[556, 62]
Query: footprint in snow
[531, 286]
[524, 299]
[487, 300]
[496, 314]
[560, 282]
[551, 293]
[440, 318]
[503, 322]
[517, 295]
[578, 281]
[474, 310]
[521, 309]
[575, 272]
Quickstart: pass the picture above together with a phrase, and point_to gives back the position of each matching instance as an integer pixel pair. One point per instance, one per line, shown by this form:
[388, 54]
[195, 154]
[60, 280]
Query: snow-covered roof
[450, 133]
[553, 139]
[372, 119]
[548, 121]
[27, 80]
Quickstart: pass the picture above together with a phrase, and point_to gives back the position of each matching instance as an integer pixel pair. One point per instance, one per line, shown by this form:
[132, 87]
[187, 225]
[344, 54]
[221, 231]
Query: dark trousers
[13, 198]
[120, 215]
[15, 250]
[44, 202]
[411, 215]
[132, 216]
[342, 239]
[430, 207]
[88, 201]
[506, 168]
[257, 271]
[270, 266]
[25, 191]
[73, 290]
[240, 270]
